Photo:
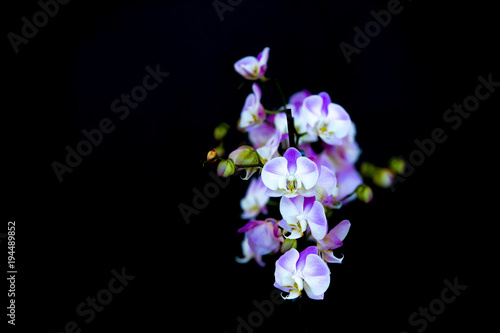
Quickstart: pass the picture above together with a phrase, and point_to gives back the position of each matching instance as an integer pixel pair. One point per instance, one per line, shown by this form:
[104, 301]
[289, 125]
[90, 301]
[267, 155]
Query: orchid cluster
[301, 159]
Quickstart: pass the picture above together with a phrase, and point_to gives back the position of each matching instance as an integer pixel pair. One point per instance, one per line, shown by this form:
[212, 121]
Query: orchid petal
[291, 155]
[307, 171]
[311, 250]
[316, 220]
[341, 229]
[316, 275]
[273, 171]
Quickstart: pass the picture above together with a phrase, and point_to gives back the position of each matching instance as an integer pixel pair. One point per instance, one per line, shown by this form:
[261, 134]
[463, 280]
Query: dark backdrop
[119, 207]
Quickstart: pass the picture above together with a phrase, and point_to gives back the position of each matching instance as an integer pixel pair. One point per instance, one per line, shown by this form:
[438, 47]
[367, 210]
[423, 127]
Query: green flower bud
[226, 168]
[397, 165]
[364, 193]
[288, 244]
[221, 131]
[383, 177]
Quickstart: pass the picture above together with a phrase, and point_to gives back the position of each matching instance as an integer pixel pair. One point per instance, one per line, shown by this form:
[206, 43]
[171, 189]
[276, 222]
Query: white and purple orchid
[325, 119]
[252, 68]
[332, 241]
[262, 236]
[302, 271]
[299, 213]
[290, 175]
[255, 199]
[253, 113]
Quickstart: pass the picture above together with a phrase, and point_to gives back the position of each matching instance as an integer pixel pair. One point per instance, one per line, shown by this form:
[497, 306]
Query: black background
[119, 207]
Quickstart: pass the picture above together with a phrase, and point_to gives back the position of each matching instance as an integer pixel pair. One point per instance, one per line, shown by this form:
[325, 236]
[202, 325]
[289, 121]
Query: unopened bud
[397, 165]
[368, 170]
[221, 131]
[383, 177]
[245, 155]
[288, 244]
[212, 154]
[364, 193]
[225, 168]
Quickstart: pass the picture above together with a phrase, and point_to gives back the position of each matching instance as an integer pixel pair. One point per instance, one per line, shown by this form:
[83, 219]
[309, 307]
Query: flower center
[291, 183]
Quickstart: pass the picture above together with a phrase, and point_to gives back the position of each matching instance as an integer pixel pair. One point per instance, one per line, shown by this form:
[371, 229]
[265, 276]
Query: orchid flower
[255, 199]
[248, 254]
[299, 213]
[253, 113]
[325, 119]
[252, 68]
[302, 271]
[290, 175]
[343, 155]
[262, 236]
[332, 241]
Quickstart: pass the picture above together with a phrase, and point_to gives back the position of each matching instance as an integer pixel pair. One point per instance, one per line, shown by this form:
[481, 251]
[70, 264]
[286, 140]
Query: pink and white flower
[325, 119]
[302, 271]
[262, 236]
[253, 113]
[252, 68]
[290, 175]
[332, 241]
[299, 213]
[255, 199]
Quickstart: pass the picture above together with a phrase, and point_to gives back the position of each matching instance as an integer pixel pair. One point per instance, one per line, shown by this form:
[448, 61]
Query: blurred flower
[221, 131]
[253, 113]
[255, 199]
[261, 236]
[252, 68]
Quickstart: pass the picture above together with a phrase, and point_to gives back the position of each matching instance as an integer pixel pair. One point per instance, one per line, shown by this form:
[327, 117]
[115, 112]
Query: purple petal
[316, 275]
[311, 250]
[285, 289]
[307, 171]
[331, 241]
[257, 92]
[327, 179]
[263, 56]
[316, 219]
[273, 171]
[313, 104]
[341, 229]
[326, 101]
[250, 225]
[291, 155]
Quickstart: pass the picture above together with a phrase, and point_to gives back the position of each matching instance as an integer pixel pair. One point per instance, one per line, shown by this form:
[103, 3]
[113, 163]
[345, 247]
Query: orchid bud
[245, 155]
[364, 193]
[367, 170]
[221, 131]
[383, 177]
[212, 154]
[225, 168]
[397, 165]
[288, 244]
